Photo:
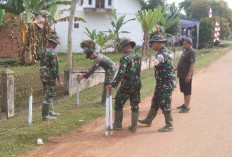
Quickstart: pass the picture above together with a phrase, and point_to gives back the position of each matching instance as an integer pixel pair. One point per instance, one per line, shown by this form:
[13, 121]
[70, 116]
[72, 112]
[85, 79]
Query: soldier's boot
[118, 120]
[169, 123]
[134, 119]
[150, 116]
[52, 112]
[45, 113]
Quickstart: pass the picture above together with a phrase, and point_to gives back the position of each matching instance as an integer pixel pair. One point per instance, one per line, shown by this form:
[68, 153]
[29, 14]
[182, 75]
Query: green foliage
[118, 22]
[151, 4]
[225, 28]
[103, 39]
[207, 32]
[28, 9]
[92, 35]
[200, 9]
[185, 5]
[172, 15]
[2, 16]
[149, 19]
[116, 25]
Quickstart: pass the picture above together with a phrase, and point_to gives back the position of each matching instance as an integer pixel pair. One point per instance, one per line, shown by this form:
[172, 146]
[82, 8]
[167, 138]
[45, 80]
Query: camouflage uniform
[49, 71]
[129, 73]
[109, 67]
[165, 81]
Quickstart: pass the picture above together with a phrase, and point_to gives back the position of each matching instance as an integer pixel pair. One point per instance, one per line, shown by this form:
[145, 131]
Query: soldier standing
[49, 73]
[129, 76]
[165, 83]
[100, 61]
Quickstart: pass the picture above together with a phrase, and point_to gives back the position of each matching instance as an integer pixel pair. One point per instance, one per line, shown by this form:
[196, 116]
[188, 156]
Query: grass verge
[17, 138]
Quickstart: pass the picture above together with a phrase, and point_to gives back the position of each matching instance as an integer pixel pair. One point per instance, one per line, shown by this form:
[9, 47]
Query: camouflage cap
[89, 52]
[126, 41]
[157, 38]
[54, 38]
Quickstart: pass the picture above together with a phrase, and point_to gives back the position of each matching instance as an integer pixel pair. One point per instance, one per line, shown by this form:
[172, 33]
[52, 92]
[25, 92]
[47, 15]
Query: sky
[229, 2]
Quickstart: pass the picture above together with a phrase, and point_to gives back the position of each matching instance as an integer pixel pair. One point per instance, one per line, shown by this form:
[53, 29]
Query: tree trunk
[70, 31]
[117, 43]
[146, 38]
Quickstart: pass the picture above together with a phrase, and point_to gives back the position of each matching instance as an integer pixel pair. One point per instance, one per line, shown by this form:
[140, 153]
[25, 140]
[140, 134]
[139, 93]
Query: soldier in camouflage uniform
[129, 75]
[49, 73]
[100, 61]
[165, 83]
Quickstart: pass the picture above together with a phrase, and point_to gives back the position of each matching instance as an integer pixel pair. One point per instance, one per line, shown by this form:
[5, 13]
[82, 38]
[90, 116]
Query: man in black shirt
[185, 73]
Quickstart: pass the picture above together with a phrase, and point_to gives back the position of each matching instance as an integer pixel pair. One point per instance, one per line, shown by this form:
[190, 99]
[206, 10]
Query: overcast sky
[229, 2]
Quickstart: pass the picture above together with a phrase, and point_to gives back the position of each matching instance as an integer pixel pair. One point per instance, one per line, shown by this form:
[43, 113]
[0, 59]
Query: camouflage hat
[89, 52]
[54, 38]
[157, 38]
[125, 41]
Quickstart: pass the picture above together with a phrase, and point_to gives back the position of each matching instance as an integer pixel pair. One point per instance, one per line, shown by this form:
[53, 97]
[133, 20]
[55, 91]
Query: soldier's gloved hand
[109, 87]
[79, 77]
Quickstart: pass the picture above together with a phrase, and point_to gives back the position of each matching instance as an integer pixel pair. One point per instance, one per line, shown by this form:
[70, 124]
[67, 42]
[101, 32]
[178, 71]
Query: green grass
[22, 138]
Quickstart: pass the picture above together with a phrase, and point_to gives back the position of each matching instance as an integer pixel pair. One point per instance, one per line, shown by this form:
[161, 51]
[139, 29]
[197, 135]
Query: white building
[95, 13]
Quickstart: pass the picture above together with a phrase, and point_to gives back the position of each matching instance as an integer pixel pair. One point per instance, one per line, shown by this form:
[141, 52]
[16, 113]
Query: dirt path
[204, 132]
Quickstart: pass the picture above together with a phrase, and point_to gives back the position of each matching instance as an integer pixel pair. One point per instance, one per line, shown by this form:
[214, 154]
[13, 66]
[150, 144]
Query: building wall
[99, 21]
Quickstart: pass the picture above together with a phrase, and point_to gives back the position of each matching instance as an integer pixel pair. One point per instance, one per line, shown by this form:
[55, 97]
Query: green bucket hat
[157, 38]
[125, 41]
[54, 38]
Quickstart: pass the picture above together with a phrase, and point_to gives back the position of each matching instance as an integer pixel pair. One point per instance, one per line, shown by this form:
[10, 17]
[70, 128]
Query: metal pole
[30, 110]
[111, 112]
[107, 113]
[78, 93]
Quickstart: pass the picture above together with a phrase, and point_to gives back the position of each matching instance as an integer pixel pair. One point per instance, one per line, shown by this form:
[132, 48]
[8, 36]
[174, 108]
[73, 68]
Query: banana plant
[148, 20]
[103, 40]
[116, 24]
[3, 22]
[92, 35]
[26, 11]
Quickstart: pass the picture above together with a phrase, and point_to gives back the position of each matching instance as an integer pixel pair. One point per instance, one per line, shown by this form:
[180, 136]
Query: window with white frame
[3, 1]
[90, 2]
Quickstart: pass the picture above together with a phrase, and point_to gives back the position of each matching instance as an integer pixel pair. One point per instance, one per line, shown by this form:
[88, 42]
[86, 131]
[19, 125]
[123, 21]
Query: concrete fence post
[7, 92]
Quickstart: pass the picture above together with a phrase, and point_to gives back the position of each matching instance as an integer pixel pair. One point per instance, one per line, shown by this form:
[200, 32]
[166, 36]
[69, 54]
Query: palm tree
[117, 24]
[148, 20]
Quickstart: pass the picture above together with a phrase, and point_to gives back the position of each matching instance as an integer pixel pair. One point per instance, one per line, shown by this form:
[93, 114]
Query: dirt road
[204, 132]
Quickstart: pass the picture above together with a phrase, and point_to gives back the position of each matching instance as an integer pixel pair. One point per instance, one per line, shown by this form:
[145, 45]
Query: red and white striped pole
[217, 31]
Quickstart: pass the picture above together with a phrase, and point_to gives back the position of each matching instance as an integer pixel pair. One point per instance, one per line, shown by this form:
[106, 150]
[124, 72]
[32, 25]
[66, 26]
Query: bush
[206, 32]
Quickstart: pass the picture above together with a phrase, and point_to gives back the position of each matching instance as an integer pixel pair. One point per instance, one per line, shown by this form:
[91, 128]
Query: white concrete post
[8, 92]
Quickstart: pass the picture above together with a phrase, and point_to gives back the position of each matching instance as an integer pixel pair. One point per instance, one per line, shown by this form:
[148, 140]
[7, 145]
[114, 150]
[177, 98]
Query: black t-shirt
[187, 58]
